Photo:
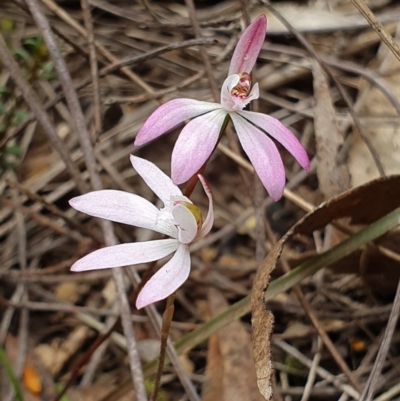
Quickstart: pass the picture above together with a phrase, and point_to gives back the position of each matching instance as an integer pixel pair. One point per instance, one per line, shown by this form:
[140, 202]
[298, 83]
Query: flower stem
[169, 308]
[166, 324]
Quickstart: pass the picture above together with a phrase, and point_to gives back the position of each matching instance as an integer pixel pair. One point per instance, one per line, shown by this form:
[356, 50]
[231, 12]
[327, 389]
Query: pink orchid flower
[199, 137]
[179, 219]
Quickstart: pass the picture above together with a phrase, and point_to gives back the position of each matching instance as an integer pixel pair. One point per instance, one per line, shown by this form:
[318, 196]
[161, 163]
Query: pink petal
[279, 132]
[209, 221]
[169, 115]
[167, 280]
[195, 144]
[234, 103]
[155, 179]
[263, 154]
[126, 254]
[121, 207]
[249, 46]
[186, 223]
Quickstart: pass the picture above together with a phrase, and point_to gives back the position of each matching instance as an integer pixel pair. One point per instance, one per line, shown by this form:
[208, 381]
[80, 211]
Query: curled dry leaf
[355, 205]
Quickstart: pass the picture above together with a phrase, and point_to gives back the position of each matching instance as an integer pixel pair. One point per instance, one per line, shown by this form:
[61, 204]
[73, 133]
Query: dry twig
[83, 135]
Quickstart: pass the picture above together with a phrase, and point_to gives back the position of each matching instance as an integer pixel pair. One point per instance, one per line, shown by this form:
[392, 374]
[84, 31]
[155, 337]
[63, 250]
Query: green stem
[10, 374]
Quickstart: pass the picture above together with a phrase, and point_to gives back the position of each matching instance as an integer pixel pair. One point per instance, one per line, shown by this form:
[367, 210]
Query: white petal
[227, 101]
[121, 207]
[156, 180]
[126, 254]
[254, 93]
[167, 280]
[186, 223]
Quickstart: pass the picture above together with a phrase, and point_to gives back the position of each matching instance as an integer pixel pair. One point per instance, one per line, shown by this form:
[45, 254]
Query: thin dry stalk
[54, 210]
[320, 371]
[369, 388]
[314, 319]
[300, 37]
[83, 135]
[117, 66]
[165, 327]
[70, 21]
[93, 67]
[23, 336]
[378, 27]
[35, 105]
[313, 371]
[204, 55]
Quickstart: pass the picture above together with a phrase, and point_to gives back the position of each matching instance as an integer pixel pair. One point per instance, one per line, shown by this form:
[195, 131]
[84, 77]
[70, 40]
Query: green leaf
[19, 117]
[47, 72]
[6, 25]
[22, 53]
[149, 385]
[14, 150]
[58, 388]
[2, 109]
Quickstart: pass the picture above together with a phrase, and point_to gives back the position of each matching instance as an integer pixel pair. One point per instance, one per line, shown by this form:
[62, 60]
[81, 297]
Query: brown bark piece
[333, 178]
[232, 365]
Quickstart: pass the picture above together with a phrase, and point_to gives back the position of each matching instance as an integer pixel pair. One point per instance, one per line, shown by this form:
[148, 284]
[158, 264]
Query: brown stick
[83, 135]
[378, 27]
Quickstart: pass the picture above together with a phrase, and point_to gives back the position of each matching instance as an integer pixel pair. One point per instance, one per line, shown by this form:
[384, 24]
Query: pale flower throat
[242, 89]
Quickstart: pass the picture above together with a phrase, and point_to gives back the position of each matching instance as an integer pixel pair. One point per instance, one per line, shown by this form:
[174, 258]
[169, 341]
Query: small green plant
[149, 385]
[33, 57]
[58, 388]
[10, 375]
[5, 152]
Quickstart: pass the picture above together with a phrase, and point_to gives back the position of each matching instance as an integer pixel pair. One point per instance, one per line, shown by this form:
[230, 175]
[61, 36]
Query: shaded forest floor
[329, 78]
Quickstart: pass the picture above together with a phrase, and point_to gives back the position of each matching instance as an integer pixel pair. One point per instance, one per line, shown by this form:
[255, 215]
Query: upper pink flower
[199, 137]
[179, 219]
